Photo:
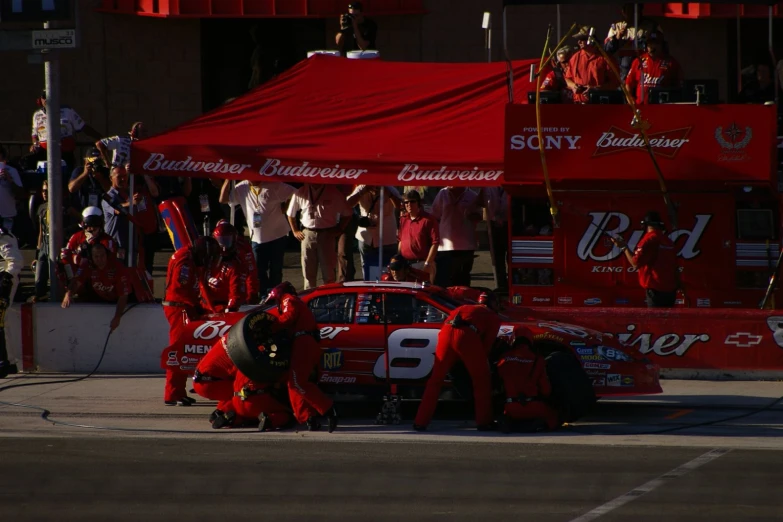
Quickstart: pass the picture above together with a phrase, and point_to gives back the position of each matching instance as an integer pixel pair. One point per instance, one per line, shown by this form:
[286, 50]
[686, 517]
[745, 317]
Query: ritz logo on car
[333, 359]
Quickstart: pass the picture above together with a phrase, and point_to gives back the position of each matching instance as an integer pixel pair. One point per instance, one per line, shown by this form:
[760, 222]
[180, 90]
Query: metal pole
[559, 36]
[53, 166]
[489, 44]
[636, 44]
[380, 235]
[739, 51]
[131, 238]
[233, 207]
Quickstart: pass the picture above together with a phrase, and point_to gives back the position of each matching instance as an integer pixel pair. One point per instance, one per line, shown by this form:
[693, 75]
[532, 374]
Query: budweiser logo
[159, 162]
[665, 144]
[617, 223]
[274, 167]
[411, 172]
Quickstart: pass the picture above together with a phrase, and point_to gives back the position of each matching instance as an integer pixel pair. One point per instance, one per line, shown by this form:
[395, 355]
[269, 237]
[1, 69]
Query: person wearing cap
[400, 270]
[655, 68]
[418, 235]
[120, 146]
[89, 183]
[624, 39]
[587, 69]
[371, 244]
[655, 259]
[70, 125]
[357, 32]
[554, 80]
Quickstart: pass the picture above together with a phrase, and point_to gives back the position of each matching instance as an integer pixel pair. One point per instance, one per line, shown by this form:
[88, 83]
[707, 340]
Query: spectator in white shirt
[120, 146]
[263, 207]
[495, 200]
[457, 210]
[371, 245]
[324, 216]
[10, 187]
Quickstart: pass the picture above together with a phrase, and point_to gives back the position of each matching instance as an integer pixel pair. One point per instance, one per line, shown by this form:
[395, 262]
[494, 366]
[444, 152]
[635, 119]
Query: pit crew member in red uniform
[653, 69]
[255, 400]
[305, 396]
[240, 252]
[226, 280]
[527, 386]
[185, 276]
[554, 81]
[587, 69]
[468, 334]
[214, 380]
[91, 232]
[101, 279]
[655, 259]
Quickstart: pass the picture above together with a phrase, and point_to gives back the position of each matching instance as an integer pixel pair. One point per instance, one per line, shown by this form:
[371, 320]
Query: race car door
[351, 338]
[411, 329]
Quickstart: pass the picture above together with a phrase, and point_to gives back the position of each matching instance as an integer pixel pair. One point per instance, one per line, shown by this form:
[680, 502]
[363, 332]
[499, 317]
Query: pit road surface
[159, 463]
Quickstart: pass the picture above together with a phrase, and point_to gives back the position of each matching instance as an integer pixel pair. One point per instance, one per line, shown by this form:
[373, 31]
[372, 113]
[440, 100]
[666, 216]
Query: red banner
[698, 339]
[597, 142]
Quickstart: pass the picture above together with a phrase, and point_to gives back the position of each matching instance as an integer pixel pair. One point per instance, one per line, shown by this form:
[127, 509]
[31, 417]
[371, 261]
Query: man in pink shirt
[418, 235]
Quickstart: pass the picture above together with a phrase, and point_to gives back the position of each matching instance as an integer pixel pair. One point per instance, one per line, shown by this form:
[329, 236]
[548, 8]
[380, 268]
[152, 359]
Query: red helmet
[226, 235]
[522, 335]
[490, 300]
[205, 251]
[278, 292]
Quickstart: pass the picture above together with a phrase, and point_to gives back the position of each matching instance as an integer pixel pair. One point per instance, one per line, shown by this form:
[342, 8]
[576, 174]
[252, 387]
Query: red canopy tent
[337, 120]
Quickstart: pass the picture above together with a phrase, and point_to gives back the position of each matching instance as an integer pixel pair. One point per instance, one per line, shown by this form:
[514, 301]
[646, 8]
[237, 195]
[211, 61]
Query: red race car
[360, 321]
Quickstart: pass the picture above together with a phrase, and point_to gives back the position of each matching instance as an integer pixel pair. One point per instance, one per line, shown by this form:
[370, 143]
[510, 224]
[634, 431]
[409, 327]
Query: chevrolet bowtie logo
[743, 339]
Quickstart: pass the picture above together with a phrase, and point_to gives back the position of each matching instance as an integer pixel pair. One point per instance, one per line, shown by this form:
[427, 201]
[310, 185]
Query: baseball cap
[412, 195]
[356, 5]
[652, 218]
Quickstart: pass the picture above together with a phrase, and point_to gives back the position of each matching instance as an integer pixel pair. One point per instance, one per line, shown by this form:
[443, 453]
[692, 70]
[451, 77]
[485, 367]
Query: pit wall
[686, 343]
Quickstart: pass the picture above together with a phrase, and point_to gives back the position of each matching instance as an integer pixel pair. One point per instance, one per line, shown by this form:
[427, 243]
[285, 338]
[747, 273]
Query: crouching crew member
[181, 304]
[256, 400]
[214, 380]
[468, 334]
[100, 279]
[655, 259]
[527, 387]
[305, 396]
[12, 263]
[226, 279]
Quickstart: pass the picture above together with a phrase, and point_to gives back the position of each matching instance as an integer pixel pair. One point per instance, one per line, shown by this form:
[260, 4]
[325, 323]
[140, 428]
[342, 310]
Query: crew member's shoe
[179, 402]
[264, 423]
[191, 400]
[487, 427]
[214, 415]
[313, 424]
[224, 421]
[416, 427]
[331, 417]
[6, 369]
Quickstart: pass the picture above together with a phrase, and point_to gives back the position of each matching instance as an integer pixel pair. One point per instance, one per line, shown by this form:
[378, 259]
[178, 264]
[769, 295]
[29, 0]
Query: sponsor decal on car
[592, 301]
[599, 381]
[584, 351]
[542, 300]
[663, 345]
[548, 336]
[703, 303]
[613, 354]
[591, 357]
[337, 379]
[596, 366]
[627, 380]
[332, 359]
[565, 300]
[577, 343]
[622, 301]
[743, 339]
[613, 379]
[330, 332]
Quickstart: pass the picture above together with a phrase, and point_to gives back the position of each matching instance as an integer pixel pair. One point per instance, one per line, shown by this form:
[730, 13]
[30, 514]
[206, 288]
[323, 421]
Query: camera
[346, 20]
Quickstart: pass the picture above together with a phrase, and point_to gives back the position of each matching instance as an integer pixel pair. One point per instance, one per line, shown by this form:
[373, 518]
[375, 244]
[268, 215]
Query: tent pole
[233, 207]
[772, 56]
[636, 44]
[380, 235]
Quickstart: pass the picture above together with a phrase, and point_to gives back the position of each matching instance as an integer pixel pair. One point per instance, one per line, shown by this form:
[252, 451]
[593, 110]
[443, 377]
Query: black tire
[572, 389]
[256, 352]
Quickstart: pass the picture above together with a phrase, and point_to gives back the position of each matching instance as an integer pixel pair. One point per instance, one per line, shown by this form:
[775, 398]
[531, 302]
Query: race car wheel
[572, 389]
[256, 351]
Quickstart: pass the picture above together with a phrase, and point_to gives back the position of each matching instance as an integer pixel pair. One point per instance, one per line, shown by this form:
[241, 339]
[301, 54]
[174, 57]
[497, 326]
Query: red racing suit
[214, 376]
[468, 334]
[526, 382]
[247, 263]
[657, 72]
[71, 255]
[101, 285]
[181, 303]
[258, 400]
[305, 396]
[226, 286]
[656, 260]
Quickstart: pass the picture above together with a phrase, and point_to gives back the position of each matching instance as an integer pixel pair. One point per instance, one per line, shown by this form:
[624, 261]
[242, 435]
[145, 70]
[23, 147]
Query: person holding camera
[357, 32]
[89, 183]
[371, 245]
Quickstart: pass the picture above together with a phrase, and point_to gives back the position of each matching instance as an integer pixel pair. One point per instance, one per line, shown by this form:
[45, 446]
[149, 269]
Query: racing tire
[572, 390]
[258, 353]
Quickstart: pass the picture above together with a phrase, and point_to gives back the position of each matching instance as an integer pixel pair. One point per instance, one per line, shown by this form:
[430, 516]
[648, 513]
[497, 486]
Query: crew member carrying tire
[226, 279]
[468, 334]
[527, 387]
[184, 280]
[305, 396]
[9, 280]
